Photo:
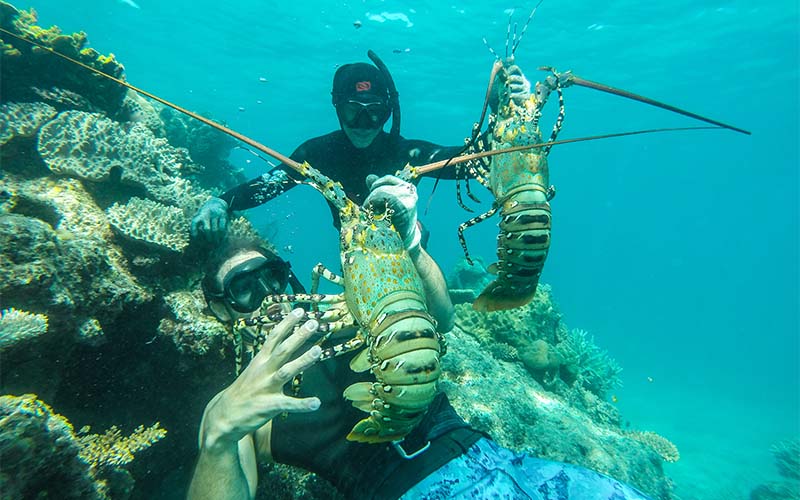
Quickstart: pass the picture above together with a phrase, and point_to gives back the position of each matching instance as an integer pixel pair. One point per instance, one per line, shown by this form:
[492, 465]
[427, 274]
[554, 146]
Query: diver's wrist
[215, 434]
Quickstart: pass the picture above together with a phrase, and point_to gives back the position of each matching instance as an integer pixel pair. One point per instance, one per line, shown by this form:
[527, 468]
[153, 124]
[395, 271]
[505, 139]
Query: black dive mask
[356, 114]
[246, 285]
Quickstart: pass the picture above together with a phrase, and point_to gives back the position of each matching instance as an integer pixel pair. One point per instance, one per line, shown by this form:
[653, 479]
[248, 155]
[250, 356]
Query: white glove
[510, 85]
[401, 197]
[211, 220]
[519, 88]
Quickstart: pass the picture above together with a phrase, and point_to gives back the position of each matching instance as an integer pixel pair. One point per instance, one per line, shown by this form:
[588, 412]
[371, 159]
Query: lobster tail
[403, 355]
[522, 248]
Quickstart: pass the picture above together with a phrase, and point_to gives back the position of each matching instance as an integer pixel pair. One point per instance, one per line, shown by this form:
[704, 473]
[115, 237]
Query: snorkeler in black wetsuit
[364, 97]
[343, 162]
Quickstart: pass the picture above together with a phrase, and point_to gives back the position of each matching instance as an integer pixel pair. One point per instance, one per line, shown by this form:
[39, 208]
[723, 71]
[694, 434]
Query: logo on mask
[363, 86]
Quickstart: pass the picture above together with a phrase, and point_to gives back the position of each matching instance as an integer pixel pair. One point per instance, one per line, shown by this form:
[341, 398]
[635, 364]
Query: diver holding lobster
[365, 97]
[442, 458]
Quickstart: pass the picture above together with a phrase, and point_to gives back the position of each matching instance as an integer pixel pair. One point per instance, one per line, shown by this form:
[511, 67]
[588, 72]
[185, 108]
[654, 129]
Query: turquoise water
[678, 252]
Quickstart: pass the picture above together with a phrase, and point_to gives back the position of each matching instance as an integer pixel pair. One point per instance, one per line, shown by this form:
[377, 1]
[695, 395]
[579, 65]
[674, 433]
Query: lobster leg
[482, 217]
[559, 121]
[459, 198]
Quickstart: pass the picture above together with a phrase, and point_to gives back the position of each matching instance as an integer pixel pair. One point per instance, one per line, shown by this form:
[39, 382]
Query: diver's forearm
[218, 475]
[438, 298]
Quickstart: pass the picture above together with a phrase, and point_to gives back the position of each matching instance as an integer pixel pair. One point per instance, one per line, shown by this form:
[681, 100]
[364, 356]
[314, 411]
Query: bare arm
[437, 296]
[226, 468]
[224, 471]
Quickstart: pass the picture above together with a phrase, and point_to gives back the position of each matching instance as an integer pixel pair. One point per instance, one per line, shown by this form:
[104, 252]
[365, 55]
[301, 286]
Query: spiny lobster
[519, 179]
[384, 298]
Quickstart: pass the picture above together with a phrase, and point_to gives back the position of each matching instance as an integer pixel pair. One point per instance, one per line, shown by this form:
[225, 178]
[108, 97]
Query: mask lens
[359, 115]
[248, 289]
[246, 292]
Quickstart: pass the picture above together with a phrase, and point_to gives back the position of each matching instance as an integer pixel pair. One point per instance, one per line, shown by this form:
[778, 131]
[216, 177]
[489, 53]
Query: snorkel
[394, 97]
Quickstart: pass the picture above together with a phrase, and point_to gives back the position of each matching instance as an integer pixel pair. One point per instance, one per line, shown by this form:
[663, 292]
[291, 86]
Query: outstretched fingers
[284, 351]
[291, 369]
[279, 333]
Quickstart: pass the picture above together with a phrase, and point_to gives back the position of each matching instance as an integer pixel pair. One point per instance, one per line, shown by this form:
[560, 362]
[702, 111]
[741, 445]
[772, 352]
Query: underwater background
[678, 252]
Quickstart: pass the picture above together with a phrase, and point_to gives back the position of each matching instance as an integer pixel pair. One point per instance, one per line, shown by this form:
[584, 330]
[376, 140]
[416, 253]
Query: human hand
[256, 396]
[211, 220]
[401, 197]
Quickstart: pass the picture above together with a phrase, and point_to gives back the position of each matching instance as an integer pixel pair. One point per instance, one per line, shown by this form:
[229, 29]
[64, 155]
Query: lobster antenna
[265, 160]
[508, 31]
[525, 28]
[432, 167]
[496, 67]
[630, 95]
[495, 54]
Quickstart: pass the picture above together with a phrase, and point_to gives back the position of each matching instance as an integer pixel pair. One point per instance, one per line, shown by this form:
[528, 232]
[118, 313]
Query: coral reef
[787, 460]
[151, 223]
[502, 399]
[552, 354]
[187, 325]
[661, 445]
[18, 326]
[94, 210]
[40, 455]
[23, 119]
[24, 67]
[111, 449]
[137, 109]
[91, 147]
[587, 365]
[55, 248]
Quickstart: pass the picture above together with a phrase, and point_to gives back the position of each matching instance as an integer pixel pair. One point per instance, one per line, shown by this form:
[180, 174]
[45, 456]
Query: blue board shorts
[489, 471]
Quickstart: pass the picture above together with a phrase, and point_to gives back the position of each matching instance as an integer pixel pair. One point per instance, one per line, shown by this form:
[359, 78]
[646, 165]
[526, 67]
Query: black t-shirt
[316, 441]
[336, 157]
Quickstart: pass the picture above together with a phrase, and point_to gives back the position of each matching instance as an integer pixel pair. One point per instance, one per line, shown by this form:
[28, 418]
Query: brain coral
[23, 119]
[151, 223]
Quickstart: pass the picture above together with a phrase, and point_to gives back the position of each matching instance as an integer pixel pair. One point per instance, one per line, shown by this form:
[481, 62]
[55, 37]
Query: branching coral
[589, 365]
[17, 326]
[111, 449]
[661, 445]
